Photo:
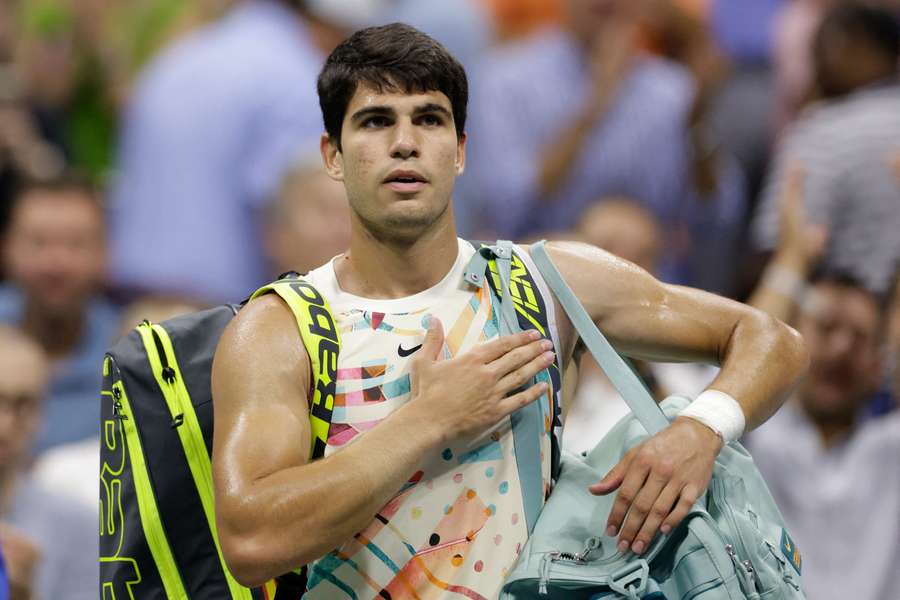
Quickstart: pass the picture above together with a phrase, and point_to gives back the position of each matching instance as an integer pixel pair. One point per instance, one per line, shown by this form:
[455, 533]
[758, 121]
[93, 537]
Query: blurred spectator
[847, 143]
[744, 29]
[519, 18]
[620, 226]
[71, 468]
[464, 27]
[795, 27]
[577, 112]
[309, 222]
[66, 82]
[213, 124]
[40, 530]
[54, 254]
[833, 473]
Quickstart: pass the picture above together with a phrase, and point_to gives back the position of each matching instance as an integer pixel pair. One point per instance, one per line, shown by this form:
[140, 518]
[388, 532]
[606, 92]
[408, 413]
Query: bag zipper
[177, 400]
[148, 511]
[744, 567]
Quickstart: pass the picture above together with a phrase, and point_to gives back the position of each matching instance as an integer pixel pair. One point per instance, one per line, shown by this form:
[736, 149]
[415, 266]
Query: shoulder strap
[623, 377]
[322, 342]
[526, 422]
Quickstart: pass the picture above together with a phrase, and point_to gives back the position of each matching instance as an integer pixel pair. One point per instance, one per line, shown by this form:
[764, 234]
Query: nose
[841, 342]
[405, 143]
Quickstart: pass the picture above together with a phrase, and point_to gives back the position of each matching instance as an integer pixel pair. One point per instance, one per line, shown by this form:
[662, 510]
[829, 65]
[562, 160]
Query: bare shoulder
[601, 280]
[261, 347]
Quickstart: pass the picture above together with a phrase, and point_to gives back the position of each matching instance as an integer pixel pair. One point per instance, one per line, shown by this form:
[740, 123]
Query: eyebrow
[387, 111]
[372, 110]
[432, 107]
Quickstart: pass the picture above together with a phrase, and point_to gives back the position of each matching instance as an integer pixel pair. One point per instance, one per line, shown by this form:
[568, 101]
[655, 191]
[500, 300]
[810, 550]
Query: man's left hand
[658, 482]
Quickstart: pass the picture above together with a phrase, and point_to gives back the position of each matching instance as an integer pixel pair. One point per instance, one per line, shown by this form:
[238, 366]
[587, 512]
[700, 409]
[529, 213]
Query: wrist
[428, 431]
[720, 412]
[706, 434]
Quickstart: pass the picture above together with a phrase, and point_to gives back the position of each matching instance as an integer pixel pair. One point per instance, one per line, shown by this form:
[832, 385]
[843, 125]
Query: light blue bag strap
[526, 422]
[625, 380]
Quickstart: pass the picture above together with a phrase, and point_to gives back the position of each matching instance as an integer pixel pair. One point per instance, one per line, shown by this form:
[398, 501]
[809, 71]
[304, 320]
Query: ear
[332, 157]
[461, 155]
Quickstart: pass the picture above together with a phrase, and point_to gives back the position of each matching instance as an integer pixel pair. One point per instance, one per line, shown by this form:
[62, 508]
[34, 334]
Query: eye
[431, 120]
[375, 122]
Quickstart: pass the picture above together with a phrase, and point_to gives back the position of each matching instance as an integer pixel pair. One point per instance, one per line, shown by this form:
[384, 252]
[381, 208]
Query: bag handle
[620, 373]
[527, 424]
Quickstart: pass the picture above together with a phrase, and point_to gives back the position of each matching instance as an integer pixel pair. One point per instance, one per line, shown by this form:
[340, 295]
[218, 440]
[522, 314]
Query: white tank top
[456, 527]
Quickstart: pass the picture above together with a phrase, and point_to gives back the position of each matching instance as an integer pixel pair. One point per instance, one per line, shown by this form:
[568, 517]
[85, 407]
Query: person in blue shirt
[214, 123]
[55, 257]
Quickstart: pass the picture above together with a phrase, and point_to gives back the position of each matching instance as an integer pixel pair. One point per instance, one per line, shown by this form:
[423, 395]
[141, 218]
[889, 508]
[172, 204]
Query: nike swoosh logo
[404, 353]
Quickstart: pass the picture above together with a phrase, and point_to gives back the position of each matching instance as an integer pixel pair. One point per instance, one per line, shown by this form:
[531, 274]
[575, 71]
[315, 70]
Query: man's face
[55, 250]
[22, 383]
[841, 330]
[399, 159]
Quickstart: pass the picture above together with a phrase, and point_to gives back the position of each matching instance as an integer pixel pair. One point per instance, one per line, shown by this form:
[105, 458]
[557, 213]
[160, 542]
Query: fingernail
[611, 531]
[534, 334]
[623, 546]
[638, 547]
[666, 528]
[548, 356]
[547, 345]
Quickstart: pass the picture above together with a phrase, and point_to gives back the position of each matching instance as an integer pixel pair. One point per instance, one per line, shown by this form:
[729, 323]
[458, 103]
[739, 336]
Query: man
[47, 539]
[832, 471]
[427, 414]
[847, 144]
[55, 259]
[308, 222]
[214, 123]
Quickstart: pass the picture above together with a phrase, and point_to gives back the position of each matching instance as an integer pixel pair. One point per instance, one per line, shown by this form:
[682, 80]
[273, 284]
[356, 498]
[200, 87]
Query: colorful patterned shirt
[456, 527]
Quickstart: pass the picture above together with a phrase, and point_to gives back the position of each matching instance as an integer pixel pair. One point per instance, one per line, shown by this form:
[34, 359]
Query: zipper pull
[746, 573]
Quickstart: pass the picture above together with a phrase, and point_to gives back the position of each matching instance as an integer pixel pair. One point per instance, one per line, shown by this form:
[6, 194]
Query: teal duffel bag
[733, 545]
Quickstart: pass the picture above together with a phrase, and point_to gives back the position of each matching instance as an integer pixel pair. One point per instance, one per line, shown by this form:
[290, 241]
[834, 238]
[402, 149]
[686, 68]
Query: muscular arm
[761, 358]
[276, 510]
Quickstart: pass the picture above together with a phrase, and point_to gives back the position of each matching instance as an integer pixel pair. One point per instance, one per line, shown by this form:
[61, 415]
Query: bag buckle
[630, 580]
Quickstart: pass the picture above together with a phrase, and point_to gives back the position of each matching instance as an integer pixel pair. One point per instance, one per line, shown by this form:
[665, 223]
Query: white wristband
[718, 411]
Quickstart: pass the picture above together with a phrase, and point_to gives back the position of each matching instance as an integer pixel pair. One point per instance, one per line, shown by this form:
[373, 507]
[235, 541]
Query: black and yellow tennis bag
[157, 518]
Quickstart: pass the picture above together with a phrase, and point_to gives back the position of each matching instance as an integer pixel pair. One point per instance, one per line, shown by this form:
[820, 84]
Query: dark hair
[390, 57]
[67, 182]
[878, 27]
[845, 279]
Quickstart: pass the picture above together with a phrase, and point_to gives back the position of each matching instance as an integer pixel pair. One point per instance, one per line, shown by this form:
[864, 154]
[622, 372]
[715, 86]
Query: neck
[57, 333]
[387, 269]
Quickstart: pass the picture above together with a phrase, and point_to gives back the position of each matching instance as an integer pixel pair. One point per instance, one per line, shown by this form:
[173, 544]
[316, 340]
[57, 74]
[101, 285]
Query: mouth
[405, 181]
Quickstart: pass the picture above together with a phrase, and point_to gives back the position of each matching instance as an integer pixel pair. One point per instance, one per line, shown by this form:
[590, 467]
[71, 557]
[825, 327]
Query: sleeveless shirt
[456, 527]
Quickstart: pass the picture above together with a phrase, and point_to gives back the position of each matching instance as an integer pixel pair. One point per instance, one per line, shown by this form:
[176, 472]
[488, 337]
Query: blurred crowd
[159, 156]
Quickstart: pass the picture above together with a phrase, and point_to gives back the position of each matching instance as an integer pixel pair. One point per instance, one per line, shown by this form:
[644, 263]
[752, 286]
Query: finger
[434, 340]
[644, 501]
[521, 374]
[661, 509]
[686, 501]
[520, 355]
[513, 403]
[628, 491]
[496, 348]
